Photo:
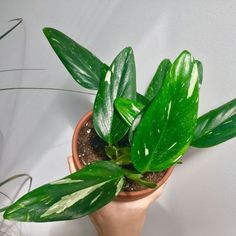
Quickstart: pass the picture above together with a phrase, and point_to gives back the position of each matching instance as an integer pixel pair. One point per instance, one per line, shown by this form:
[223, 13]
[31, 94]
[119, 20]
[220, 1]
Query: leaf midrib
[84, 64]
[160, 139]
[212, 127]
[173, 102]
[119, 93]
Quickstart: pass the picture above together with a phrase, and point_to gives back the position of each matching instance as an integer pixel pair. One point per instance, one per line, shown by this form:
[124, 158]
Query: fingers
[71, 164]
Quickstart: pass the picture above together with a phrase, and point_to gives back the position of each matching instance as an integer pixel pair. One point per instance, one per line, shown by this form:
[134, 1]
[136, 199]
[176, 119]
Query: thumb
[71, 164]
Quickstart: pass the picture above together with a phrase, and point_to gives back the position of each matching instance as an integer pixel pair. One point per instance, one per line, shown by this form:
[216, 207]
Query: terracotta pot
[123, 196]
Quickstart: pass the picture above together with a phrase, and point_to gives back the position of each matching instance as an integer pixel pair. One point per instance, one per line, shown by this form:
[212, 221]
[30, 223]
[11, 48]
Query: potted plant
[129, 141]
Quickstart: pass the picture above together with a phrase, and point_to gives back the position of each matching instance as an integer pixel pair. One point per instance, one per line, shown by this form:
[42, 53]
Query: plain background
[37, 126]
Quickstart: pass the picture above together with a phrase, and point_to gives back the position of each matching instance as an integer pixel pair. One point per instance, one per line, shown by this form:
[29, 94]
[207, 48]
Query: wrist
[119, 224]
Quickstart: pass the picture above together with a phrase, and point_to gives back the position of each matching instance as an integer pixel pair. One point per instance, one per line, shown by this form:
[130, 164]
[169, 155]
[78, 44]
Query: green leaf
[133, 127]
[200, 71]
[141, 99]
[124, 150]
[135, 124]
[111, 152]
[85, 68]
[128, 109]
[120, 81]
[123, 159]
[216, 126]
[72, 197]
[119, 156]
[137, 178]
[158, 79]
[166, 127]
[145, 183]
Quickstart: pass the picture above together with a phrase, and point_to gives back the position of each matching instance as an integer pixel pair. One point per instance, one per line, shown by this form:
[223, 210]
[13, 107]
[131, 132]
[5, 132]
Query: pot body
[122, 196]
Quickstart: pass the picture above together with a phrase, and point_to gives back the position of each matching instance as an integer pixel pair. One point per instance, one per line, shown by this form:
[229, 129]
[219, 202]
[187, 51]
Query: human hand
[121, 218]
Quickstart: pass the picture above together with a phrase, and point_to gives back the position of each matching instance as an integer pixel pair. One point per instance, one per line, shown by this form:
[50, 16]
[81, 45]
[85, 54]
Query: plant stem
[49, 88]
[14, 177]
[137, 177]
[20, 20]
[23, 69]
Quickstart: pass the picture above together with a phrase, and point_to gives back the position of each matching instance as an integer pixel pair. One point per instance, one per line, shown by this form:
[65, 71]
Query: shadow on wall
[15, 36]
[38, 126]
[193, 153]
[35, 127]
[160, 220]
[34, 119]
[128, 27]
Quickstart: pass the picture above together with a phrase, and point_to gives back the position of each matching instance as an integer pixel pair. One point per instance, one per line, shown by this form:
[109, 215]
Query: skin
[121, 218]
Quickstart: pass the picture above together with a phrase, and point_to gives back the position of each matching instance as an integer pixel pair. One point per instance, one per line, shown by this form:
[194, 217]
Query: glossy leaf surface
[119, 155]
[166, 127]
[128, 109]
[134, 125]
[72, 197]
[111, 152]
[200, 71]
[123, 159]
[216, 126]
[158, 79]
[85, 68]
[141, 99]
[119, 81]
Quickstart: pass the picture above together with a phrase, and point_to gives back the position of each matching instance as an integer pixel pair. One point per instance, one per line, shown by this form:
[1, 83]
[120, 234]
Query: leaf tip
[129, 50]
[7, 214]
[185, 52]
[48, 31]
[185, 57]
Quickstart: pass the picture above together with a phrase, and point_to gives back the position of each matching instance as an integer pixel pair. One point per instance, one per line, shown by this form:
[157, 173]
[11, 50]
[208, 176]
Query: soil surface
[91, 149]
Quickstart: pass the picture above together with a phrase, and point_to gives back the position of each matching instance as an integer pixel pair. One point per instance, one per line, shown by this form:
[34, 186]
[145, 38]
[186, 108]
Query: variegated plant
[160, 126]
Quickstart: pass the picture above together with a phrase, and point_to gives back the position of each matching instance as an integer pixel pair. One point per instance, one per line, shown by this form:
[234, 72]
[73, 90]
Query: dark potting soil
[91, 148]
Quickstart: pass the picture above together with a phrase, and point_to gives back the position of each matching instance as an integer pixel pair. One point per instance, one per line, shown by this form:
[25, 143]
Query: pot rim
[122, 196]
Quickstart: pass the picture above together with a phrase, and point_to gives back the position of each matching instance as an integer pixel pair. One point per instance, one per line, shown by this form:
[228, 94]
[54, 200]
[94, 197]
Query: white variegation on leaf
[128, 109]
[216, 126]
[67, 181]
[167, 125]
[76, 195]
[70, 199]
[119, 81]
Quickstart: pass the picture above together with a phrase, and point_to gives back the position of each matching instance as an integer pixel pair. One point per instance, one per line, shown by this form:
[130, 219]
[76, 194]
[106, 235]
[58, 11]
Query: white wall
[37, 127]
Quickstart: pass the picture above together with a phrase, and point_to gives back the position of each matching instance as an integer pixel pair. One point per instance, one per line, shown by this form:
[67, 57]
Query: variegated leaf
[200, 71]
[166, 127]
[72, 197]
[128, 109]
[157, 81]
[85, 68]
[141, 99]
[120, 81]
[216, 126]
